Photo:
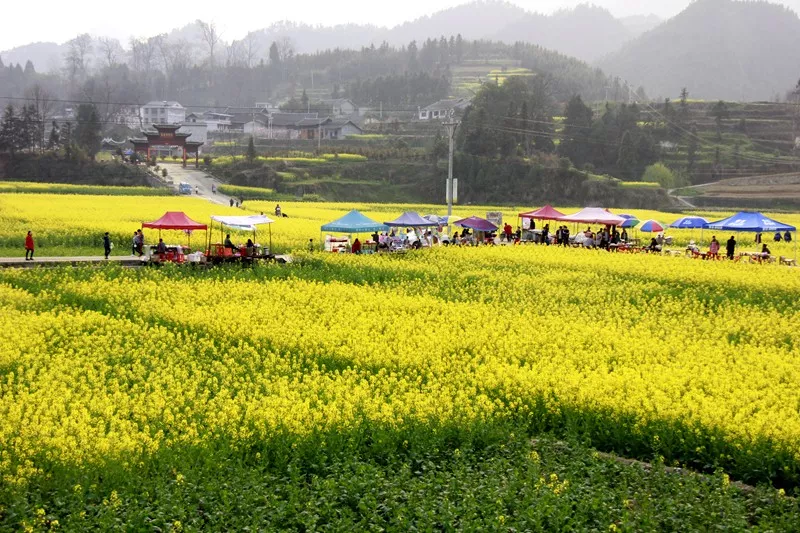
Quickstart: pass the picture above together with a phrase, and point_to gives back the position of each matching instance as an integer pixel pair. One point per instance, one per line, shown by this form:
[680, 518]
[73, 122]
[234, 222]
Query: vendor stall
[241, 223]
[753, 222]
[352, 222]
[413, 221]
[544, 213]
[175, 220]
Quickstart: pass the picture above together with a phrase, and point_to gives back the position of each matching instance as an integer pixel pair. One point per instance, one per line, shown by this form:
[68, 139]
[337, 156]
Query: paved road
[196, 178]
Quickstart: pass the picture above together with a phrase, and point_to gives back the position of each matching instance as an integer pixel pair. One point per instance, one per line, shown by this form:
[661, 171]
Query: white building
[162, 112]
[341, 107]
[199, 131]
[217, 121]
[443, 108]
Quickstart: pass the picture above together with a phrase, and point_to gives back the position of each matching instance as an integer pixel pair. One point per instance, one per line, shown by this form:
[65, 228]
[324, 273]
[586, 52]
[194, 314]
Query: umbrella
[689, 223]
[476, 223]
[651, 226]
[630, 221]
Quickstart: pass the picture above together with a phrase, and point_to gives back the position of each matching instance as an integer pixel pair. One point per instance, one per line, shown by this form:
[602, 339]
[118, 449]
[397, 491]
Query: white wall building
[162, 112]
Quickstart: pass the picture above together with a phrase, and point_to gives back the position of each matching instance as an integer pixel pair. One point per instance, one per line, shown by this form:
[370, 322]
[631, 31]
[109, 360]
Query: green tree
[88, 129]
[627, 160]
[11, 137]
[577, 129]
[720, 111]
[251, 150]
[661, 174]
[304, 100]
[274, 54]
[691, 150]
[683, 109]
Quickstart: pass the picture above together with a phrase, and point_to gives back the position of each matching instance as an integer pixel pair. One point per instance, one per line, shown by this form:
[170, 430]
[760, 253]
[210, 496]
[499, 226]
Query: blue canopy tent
[752, 221]
[410, 219]
[354, 222]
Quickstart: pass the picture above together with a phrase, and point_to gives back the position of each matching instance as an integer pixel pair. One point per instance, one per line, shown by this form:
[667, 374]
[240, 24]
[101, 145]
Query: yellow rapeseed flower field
[63, 224]
[642, 354]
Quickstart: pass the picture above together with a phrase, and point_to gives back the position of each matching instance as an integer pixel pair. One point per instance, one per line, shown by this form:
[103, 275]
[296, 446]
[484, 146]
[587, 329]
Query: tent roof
[545, 213]
[410, 219]
[749, 221]
[594, 215]
[246, 222]
[174, 220]
[353, 222]
[476, 223]
[689, 223]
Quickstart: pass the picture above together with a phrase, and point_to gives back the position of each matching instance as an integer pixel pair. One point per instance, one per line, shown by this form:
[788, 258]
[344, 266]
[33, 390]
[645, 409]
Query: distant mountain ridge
[725, 49]
[585, 32]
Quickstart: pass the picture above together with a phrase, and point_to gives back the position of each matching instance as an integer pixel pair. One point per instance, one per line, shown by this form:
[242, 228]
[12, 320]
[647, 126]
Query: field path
[197, 179]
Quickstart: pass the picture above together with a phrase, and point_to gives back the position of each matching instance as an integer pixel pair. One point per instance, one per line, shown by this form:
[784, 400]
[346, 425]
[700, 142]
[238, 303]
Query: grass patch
[27, 187]
[248, 193]
[638, 185]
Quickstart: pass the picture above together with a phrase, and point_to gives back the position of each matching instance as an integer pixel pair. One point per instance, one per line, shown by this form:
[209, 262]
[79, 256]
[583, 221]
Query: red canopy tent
[175, 220]
[545, 213]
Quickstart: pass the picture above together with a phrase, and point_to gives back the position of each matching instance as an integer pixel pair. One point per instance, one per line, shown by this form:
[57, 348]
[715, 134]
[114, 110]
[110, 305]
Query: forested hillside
[412, 75]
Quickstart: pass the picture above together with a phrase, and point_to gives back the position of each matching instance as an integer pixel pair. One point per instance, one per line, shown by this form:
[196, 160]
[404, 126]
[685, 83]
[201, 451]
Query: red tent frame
[175, 220]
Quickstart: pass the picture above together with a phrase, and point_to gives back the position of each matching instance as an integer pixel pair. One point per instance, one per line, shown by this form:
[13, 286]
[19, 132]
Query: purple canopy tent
[410, 219]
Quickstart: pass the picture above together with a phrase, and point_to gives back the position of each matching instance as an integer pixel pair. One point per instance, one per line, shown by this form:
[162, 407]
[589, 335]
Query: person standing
[758, 237]
[106, 244]
[134, 242]
[787, 236]
[714, 246]
[730, 247]
[29, 247]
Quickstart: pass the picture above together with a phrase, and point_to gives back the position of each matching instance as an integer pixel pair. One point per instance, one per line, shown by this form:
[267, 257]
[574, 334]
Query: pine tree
[683, 108]
[274, 54]
[577, 128]
[87, 132]
[10, 131]
[54, 139]
[627, 160]
[251, 150]
[691, 151]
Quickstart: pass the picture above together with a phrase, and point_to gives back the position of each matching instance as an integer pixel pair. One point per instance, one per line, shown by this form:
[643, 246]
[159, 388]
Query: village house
[162, 112]
[443, 108]
[213, 120]
[341, 107]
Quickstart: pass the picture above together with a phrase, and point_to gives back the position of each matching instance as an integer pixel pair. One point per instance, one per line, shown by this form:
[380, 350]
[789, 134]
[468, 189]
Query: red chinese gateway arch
[169, 136]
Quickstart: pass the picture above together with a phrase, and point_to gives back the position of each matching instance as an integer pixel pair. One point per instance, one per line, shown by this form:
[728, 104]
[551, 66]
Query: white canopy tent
[244, 223]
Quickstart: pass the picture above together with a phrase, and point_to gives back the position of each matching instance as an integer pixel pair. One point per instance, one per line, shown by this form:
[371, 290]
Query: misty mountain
[475, 20]
[45, 56]
[639, 24]
[586, 32]
[717, 49]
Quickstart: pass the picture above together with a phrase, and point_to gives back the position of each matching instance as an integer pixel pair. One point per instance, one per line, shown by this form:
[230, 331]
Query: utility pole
[451, 135]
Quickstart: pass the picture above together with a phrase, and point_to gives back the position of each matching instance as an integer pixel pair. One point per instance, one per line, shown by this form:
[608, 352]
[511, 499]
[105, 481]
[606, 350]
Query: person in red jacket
[29, 247]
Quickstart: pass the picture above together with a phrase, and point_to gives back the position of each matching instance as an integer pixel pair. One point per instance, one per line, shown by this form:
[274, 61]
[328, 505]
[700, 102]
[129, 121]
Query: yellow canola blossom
[63, 224]
[98, 365]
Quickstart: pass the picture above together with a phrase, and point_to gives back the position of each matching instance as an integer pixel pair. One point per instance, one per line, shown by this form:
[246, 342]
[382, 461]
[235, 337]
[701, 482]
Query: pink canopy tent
[176, 220]
[594, 215]
[545, 213]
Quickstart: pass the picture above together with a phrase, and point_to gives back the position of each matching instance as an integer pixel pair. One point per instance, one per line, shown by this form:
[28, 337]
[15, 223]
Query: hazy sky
[60, 20]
